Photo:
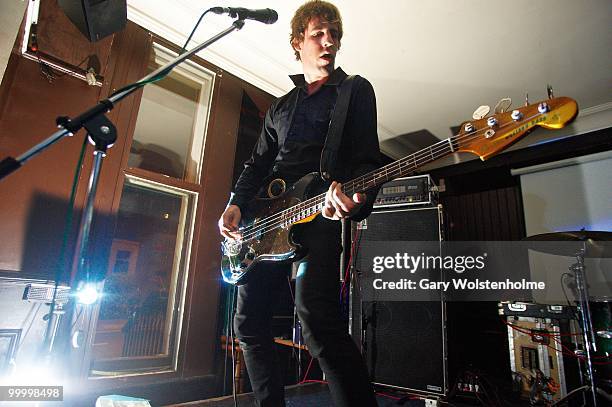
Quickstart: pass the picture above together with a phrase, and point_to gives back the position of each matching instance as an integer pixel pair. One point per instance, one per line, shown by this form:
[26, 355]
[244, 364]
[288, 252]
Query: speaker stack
[402, 342]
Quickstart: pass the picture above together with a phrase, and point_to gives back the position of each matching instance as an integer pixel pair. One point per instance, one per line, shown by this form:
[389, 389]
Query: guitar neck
[400, 168]
[484, 137]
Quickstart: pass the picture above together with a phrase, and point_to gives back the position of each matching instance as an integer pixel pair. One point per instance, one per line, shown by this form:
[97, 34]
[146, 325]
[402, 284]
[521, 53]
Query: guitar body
[273, 245]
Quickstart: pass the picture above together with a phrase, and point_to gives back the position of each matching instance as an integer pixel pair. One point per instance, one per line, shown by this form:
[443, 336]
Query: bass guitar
[267, 223]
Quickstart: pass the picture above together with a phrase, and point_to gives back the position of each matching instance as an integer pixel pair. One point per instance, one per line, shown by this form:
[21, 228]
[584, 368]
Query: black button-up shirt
[294, 132]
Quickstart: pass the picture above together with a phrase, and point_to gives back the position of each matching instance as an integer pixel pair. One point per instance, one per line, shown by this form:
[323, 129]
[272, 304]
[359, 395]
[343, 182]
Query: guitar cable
[234, 290]
[226, 332]
[298, 356]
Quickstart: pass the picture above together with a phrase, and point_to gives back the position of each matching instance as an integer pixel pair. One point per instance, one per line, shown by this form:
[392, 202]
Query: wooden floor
[304, 395]
[317, 395]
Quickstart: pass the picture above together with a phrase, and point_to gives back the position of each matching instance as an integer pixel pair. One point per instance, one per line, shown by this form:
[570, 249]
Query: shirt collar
[335, 79]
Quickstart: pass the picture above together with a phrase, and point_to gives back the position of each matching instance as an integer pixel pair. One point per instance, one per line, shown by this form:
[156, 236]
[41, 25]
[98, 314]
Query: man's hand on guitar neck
[338, 205]
[229, 221]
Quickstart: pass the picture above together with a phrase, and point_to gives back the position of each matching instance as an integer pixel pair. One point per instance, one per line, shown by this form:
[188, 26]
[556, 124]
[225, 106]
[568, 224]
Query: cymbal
[595, 243]
[575, 236]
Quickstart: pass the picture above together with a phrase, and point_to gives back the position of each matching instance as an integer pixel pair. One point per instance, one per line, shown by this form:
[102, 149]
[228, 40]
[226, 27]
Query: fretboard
[400, 168]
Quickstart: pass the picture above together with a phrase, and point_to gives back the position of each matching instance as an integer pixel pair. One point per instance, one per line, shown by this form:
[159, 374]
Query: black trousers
[317, 302]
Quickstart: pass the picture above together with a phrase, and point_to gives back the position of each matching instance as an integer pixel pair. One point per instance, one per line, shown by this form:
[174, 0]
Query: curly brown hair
[315, 8]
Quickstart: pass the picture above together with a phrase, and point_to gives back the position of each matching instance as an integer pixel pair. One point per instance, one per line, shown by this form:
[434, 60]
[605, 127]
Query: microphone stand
[102, 134]
[588, 334]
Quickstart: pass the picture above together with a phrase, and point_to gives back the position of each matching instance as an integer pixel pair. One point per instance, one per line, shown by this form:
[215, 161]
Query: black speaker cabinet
[96, 18]
[403, 342]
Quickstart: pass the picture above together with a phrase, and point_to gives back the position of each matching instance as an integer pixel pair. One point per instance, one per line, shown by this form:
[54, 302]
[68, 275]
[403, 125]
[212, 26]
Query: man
[289, 147]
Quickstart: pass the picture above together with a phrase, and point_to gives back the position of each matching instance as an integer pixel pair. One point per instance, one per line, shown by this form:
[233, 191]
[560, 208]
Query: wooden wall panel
[493, 214]
[61, 40]
[32, 104]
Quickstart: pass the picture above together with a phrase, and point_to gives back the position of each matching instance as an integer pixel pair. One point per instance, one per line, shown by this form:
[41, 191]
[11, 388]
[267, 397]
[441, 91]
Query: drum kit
[594, 314]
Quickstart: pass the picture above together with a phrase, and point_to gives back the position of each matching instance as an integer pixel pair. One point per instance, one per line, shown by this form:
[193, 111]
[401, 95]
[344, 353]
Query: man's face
[319, 46]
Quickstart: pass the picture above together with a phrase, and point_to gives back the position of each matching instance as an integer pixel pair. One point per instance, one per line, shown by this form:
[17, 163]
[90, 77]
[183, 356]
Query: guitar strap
[336, 127]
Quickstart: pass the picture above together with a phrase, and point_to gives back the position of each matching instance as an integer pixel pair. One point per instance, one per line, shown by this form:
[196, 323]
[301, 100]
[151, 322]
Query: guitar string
[315, 204]
[298, 210]
[295, 210]
[285, 216]
[410, 163]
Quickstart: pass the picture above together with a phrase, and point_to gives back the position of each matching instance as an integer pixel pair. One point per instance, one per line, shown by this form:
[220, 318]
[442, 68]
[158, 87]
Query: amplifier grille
[44, 293]
[403, 342]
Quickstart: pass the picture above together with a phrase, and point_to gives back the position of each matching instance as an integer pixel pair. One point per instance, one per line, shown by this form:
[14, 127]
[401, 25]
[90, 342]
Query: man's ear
[296, 44]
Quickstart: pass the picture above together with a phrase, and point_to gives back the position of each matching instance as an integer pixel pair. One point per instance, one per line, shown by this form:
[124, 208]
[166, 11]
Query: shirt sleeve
[362, 126]
[258, 166]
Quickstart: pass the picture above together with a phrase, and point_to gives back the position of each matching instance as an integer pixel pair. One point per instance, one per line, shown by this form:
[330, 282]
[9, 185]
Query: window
[172, 119]
[139, 322]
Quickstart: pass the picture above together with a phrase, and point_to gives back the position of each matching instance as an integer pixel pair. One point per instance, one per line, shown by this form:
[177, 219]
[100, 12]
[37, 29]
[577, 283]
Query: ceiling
[432, 63]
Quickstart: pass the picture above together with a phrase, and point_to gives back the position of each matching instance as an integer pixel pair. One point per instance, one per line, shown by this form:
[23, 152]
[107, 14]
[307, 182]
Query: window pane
[137, 324]
[172, 118]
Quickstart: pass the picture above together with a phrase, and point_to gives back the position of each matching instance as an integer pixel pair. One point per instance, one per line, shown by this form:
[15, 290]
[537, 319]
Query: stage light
[87, 294]
[32, 373]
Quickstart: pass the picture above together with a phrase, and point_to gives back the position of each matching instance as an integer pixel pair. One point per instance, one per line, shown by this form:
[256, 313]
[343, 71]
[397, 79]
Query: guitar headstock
[485, 137]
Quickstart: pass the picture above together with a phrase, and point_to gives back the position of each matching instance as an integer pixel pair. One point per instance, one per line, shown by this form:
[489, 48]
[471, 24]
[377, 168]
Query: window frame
[199, 71]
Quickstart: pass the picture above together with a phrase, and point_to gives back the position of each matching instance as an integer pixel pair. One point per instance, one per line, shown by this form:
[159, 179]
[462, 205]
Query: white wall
[11, 14]
[564, 196]
[568, 195]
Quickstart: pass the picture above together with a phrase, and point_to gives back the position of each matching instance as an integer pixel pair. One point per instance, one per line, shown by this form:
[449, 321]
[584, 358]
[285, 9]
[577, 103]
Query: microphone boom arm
[69, 127]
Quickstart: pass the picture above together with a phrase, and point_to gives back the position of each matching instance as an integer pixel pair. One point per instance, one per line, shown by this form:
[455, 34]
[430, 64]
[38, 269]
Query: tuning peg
[516, 115]
[526, 99]
[543, 107]
[481, 112]
[549, 90]
[503, 105]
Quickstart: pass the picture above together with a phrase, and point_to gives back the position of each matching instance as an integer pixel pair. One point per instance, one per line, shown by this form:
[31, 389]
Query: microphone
[264, 15]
